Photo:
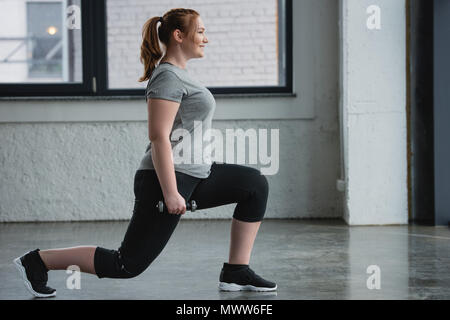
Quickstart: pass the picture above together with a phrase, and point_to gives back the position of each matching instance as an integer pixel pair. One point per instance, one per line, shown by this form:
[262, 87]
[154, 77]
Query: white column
[373, 111]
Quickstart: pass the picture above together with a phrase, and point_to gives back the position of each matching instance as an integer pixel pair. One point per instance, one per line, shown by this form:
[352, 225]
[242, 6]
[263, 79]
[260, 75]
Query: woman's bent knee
[263, 186]
[257, 183]
[109, 263]
[260, 188]
[254, 207]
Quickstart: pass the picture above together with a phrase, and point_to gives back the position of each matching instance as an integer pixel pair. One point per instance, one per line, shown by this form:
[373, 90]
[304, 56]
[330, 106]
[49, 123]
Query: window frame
[95, 63]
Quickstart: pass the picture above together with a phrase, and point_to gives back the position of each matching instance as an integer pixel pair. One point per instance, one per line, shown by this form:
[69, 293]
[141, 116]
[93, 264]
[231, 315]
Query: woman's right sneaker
[34, 274]
[242, 278]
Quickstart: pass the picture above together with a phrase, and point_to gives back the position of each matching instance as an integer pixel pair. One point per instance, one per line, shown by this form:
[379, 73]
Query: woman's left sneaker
[34, 274]
[242, 278]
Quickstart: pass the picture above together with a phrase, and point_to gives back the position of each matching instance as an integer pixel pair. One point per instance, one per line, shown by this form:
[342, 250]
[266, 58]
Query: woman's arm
[161, 115]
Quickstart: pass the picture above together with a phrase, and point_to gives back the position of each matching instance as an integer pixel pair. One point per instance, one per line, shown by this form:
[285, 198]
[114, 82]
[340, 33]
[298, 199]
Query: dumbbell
[192, 206]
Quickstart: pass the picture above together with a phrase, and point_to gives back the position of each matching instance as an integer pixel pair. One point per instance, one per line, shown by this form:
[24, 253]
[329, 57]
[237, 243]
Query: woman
[175, 101]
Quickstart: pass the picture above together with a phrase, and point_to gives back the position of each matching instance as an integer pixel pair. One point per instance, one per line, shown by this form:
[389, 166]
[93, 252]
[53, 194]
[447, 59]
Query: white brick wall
[242, 36]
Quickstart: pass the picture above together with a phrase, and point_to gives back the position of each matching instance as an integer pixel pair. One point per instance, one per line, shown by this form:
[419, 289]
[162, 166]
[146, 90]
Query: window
[91, 48]
[45, 45]
[35, 44]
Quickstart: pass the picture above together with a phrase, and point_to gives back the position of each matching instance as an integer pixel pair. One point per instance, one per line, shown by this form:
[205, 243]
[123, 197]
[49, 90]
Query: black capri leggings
[149, 230]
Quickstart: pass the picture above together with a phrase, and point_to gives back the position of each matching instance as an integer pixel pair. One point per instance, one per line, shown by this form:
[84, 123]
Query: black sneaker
[34, 274]
[239, 277]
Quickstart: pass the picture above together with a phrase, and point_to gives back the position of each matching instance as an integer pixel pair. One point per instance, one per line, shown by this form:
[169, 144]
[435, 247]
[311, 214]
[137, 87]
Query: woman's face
[196, 48]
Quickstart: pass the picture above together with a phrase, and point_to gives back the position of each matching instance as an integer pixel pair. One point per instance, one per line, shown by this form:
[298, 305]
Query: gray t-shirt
[192, 121]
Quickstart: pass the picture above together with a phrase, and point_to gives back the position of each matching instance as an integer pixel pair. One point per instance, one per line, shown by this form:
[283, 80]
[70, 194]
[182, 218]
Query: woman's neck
[175, 63]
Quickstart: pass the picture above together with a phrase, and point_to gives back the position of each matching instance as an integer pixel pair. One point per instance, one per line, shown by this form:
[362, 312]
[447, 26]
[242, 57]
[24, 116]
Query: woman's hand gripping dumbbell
[191, 205]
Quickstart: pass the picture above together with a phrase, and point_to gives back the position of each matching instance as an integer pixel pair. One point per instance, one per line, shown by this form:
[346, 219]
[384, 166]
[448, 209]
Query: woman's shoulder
[165, 82]
[162, 73]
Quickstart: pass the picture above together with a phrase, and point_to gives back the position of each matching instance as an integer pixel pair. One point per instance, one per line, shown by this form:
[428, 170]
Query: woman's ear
[178, 35]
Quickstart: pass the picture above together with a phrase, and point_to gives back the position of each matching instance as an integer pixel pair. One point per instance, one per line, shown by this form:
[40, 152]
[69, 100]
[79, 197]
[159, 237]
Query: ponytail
[151, 51]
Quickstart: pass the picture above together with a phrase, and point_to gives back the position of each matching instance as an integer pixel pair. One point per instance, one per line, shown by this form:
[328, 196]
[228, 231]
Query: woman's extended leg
[60, 259]
[147, 234]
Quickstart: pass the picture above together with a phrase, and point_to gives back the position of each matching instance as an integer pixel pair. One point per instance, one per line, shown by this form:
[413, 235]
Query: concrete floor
[309, 259]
